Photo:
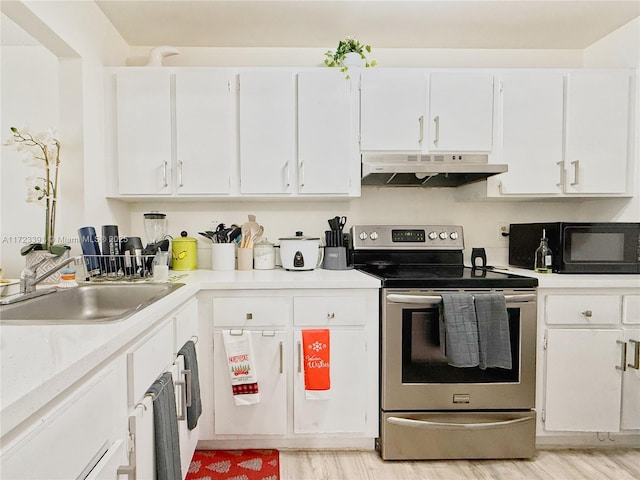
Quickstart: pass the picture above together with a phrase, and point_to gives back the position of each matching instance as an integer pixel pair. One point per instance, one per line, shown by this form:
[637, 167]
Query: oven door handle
[436, 299]
[410, 422]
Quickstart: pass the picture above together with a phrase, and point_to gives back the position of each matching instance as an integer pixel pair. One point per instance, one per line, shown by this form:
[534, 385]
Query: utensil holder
[223, 256]
[245, 258]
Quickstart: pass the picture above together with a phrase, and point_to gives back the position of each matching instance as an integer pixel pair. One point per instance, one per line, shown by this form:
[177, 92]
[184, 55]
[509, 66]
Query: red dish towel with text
[241, 365]
[317, 359]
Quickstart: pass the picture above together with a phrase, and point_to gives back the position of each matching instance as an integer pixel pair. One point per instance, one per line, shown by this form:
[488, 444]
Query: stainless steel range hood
[446, 170]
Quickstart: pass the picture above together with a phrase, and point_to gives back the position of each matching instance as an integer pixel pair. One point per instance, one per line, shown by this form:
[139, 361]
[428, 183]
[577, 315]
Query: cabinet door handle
[636, 352]
[576, 173]
[286, 175]
[165, 182]
[299, 357]
[562, 175]
[587, 313]
[301, 174]
[331, 316]
[187, 377]
[421, 127]
[623, 356]
[180, 184]
[281, 358]
[183, 409]
[436, 120]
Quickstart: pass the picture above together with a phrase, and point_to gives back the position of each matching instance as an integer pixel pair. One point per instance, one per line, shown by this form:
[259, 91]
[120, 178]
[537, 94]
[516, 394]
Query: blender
[155, 232]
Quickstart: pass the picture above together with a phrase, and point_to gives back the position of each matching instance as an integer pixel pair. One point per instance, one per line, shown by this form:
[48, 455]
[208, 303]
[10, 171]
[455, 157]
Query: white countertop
[561, 280]
[39, 362]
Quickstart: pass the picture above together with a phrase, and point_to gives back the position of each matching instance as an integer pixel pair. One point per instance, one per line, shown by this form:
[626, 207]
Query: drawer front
[148, 361]
[583, 309]
[333, 310]
[249, 311]
[186, 324]
[631, 309]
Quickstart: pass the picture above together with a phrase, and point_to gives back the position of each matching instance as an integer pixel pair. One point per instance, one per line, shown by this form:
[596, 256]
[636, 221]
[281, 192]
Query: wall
[75, 41]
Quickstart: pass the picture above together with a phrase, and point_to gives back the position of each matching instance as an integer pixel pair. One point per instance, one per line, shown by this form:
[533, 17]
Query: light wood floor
[605, 464]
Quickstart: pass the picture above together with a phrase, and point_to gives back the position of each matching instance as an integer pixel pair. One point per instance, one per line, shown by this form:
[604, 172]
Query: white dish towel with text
[241, 366]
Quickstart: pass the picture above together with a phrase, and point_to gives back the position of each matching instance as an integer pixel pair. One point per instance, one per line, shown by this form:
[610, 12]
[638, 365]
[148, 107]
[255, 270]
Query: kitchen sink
[88, 303]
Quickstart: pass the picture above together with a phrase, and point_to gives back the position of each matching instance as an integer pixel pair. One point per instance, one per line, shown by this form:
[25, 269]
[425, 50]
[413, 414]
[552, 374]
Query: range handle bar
[436, 299]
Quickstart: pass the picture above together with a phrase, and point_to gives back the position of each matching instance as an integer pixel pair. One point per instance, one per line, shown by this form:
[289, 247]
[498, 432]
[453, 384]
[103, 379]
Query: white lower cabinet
[284, 417]
[589, 381]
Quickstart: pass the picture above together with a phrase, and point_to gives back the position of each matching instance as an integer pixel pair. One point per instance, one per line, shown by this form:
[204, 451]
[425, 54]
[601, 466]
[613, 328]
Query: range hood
[446, 170]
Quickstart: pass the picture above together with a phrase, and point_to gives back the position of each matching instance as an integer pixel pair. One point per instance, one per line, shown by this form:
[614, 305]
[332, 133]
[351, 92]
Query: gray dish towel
[493, 331]
[188, 351]
[458, 314]
[165, 426]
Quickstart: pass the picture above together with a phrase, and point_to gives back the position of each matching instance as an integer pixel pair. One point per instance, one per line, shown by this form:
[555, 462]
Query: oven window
[423, 359]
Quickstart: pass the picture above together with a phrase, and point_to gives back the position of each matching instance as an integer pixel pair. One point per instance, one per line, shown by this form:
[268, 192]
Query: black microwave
[579, 247]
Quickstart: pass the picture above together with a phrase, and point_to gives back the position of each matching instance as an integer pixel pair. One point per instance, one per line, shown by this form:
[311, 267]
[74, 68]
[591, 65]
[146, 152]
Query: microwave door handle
[436, 299]
[409, 422]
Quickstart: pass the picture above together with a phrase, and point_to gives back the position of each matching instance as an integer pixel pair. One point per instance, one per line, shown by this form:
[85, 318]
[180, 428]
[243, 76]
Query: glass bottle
[543, 255]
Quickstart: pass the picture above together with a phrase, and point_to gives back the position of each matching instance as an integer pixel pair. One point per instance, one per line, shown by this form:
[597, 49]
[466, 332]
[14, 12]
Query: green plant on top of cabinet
[159, 154]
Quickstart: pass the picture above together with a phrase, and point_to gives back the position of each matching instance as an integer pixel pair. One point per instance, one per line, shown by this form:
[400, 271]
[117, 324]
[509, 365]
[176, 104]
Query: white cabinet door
[532, 126]
[267, 132]
[345, 409]
[583, 385]
[205, 132]
[188, 439]
[393, 107]
[597, 129]
[269, 415]
[630, 418]
[327, 143]
[461, 112]
[144, 131]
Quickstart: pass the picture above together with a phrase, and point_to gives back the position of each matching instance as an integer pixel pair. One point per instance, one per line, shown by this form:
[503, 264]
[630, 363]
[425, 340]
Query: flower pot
[353, 59]
[36, 256]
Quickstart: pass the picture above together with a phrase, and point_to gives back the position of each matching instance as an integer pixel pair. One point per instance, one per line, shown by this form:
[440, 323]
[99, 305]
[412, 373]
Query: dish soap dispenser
[543, 255]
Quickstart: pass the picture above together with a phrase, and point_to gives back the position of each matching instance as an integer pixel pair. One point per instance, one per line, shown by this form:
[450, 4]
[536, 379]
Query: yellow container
[184, 251]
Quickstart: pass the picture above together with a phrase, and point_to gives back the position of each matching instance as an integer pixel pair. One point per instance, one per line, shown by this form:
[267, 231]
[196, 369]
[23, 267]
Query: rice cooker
[300, 252]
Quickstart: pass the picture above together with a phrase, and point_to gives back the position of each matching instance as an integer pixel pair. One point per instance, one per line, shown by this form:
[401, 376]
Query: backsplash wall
[410, 205]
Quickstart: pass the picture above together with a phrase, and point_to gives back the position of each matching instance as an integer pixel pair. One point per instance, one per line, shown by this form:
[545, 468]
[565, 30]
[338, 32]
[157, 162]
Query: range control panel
[407, 237]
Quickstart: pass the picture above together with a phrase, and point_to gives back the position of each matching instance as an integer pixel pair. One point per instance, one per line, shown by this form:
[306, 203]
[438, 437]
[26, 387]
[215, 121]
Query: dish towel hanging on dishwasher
[317, 364]
[165, 427]
[459, 327]
[493, 331]
[241, 364]
[194, 409]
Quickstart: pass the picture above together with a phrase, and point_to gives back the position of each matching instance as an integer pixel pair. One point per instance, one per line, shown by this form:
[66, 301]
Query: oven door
[415, 371]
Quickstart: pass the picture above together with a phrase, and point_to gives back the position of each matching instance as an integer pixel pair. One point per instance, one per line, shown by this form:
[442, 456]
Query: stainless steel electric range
[430, 409]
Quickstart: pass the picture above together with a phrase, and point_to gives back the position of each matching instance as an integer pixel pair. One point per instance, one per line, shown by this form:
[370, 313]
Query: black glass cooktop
[443, 276]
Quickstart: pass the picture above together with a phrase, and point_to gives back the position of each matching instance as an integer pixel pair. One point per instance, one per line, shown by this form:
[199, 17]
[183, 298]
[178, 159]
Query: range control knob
[454, 236]
[444, 235]
[363, 235]
[433, 235]
[373, 236]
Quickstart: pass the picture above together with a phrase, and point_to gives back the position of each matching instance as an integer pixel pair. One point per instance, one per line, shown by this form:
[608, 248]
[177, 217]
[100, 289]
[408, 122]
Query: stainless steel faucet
[28, 279]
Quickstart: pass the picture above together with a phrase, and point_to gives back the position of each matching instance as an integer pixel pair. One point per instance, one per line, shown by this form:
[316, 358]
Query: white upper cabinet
[205, 132]
[461, 112]
[143, 102]
[597, 132]
[393, 106]
[328, 160]
[532, 116]
[267, 132]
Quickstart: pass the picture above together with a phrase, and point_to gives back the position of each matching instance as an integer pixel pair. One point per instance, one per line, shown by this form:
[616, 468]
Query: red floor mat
[235, 465]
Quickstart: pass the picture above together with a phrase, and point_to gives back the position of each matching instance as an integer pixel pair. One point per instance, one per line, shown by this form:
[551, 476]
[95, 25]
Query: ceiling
[551, 24]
